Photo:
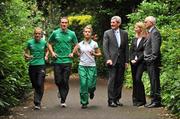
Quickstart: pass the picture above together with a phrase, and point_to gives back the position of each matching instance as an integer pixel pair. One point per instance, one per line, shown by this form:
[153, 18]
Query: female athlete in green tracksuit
[87, 50]
[36, 53]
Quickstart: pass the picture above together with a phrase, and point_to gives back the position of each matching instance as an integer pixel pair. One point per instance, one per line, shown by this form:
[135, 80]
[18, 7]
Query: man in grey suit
[116, 52]
[152, 57]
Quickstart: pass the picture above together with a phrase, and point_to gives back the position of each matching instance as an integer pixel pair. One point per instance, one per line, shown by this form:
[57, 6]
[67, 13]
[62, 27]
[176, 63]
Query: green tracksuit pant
[87, 77]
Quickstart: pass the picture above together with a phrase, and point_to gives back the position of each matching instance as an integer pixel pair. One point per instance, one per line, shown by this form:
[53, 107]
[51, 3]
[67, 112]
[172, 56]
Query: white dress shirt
[138, 41]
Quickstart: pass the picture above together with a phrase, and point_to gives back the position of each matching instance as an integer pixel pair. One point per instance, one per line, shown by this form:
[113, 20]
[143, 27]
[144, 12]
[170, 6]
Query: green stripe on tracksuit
[87, 77]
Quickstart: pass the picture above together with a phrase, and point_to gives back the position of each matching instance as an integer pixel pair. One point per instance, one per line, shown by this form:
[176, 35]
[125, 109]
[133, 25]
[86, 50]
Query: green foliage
[101, 68]
[78, 22]
[16, 26]
[167, 22]
[101, 10]
[82, 19]
[160, 11]
[171, 71]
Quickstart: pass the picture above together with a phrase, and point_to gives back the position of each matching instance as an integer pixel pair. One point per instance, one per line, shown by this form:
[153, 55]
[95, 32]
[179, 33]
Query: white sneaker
[37, 107]
[63, 105]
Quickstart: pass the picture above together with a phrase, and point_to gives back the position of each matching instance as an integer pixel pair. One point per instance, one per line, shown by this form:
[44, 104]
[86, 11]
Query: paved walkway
[97, 109]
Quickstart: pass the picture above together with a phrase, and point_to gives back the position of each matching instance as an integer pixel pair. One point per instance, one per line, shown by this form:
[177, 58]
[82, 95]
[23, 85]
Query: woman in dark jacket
[137, 64]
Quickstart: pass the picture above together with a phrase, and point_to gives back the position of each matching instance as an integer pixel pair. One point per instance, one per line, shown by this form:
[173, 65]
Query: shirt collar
[88, 41]
[116, 31]
[151, 29]
[63, 31]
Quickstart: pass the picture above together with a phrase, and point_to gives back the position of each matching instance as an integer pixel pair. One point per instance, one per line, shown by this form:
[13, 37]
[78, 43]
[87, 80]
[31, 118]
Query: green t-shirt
[37, 50]
[63, 43]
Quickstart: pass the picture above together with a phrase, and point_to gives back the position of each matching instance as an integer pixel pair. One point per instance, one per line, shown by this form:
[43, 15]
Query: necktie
[117, 34]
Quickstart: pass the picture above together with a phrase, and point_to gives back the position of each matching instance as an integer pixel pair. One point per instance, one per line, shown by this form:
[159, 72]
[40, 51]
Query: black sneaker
[84, 106]
[112, 104]
[139, 104]
[37, 107]
[118, 103]
[63, 105]
[91, 96]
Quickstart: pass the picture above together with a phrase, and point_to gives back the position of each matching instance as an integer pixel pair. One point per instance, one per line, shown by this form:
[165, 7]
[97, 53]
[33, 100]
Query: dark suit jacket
[110, 47]
[137, 51]
[152, 47]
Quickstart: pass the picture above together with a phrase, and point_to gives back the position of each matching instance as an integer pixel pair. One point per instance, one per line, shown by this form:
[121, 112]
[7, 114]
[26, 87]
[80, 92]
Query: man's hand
[126, 65]
[46, 58]
[28, 57]
[133, 61]
[109, 62]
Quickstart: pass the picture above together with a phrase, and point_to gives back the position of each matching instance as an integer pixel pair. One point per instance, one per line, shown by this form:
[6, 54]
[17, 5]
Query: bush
[16, 26]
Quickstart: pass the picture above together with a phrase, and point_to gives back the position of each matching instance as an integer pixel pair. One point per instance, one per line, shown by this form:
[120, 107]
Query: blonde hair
[142, 27]
[88, 27]
[38, 29]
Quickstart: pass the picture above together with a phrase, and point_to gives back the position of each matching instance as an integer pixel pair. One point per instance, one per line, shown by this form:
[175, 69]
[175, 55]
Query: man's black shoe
[140, 104]
[146, 105]
[153, 105]
[118, 103]
[84, 106]
[112, 104]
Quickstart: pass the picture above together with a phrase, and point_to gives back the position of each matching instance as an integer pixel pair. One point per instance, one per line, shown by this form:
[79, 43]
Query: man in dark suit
[115, 47]
[152, 57]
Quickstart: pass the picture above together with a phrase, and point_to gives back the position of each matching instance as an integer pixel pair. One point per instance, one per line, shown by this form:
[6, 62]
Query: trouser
[138, 86]
[61, 75]
[37, 77]
[115, 82]
[88, 77]
[154, 74]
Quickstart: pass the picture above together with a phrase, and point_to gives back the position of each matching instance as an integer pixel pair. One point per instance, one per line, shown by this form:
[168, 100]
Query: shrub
[16, 26]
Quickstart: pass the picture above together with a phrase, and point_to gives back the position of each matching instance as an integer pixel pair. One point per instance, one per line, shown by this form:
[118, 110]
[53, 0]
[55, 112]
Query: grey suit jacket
[110, 47]
[152, 46]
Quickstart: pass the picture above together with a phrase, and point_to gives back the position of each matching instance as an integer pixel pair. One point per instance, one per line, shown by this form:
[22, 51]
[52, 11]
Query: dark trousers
[37, 77]
[154, 74]
[115, 82]
[61, 74]
[138, 86]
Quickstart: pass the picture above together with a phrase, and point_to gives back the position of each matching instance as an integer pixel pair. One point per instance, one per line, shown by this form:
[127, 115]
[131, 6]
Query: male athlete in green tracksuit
[61, 43]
